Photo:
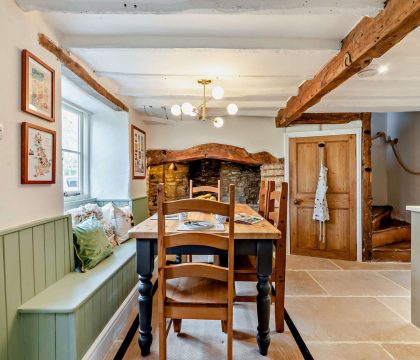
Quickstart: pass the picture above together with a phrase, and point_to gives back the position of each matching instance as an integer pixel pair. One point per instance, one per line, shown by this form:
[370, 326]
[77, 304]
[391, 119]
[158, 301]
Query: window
[74, 158]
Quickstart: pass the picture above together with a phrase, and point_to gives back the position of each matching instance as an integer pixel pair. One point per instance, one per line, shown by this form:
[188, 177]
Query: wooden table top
[262, 230]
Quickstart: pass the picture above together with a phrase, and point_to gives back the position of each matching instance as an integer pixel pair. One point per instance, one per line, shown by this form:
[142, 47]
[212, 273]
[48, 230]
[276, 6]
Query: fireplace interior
[177, 176]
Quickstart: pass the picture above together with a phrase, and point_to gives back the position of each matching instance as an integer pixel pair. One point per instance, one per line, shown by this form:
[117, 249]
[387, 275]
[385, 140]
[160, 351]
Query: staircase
[391, 238]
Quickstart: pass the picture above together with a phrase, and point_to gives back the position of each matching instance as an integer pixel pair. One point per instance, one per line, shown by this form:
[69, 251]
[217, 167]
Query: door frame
[346, 131]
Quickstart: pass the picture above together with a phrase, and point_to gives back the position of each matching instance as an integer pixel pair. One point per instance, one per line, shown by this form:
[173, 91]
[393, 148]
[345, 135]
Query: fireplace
[205, 165]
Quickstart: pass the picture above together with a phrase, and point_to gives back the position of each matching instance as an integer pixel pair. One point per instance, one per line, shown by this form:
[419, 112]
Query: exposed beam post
[64, 57]
[366, 186]
[371, 38]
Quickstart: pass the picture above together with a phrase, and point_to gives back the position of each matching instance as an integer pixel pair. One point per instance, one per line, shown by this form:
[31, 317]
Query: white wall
[109, 142]
[379, 161]
[109, 160]
[23, 203]
[404, 188]
[250, 133]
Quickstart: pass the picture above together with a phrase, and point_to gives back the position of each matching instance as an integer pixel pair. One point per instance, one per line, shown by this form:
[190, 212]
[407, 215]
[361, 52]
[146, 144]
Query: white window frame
[84, 151]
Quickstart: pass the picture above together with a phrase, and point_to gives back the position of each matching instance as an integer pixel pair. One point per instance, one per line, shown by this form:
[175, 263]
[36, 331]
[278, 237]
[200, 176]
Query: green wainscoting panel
[140, 209]
[68, 335]
[3, 315]
[32, 257]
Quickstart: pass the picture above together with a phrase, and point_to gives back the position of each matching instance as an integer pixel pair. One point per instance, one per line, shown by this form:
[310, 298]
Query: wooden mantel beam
[64, 57]
[370, 38]
[210, 151]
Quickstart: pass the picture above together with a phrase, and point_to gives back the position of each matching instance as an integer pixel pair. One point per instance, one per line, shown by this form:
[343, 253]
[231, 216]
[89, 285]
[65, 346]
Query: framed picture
[138, 152]
[37, 155]
[38, 87]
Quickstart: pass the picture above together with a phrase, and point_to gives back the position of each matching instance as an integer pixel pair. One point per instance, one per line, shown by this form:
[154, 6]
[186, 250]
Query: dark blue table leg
[145, 265]
[264, 268]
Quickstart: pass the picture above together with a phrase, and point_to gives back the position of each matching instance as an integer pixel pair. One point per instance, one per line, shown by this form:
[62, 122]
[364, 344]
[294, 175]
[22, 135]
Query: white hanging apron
[321, 212]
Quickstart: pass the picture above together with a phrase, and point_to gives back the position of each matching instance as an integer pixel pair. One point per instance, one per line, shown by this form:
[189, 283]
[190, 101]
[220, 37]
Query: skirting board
[101, 346]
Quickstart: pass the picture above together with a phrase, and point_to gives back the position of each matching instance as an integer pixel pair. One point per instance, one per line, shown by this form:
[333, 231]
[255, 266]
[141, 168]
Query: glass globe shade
[176, 110]
[232, 109]
[218, 122]
[186, 108]
[217, 92]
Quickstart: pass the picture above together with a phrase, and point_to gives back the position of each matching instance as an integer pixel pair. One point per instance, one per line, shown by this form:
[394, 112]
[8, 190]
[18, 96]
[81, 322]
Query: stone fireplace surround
[207, 163]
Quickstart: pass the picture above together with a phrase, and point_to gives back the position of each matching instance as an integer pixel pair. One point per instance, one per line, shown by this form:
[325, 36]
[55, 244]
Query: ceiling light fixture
[189, 109]
[383, 69]
[217, 92]
[218, 122]
[176, 110]
[232, 109]
[373, 70]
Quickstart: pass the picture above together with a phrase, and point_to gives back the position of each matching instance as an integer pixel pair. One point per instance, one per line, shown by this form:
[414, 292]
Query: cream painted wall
[404, 188]
[379, 161]
[252, 134]
[23, 203]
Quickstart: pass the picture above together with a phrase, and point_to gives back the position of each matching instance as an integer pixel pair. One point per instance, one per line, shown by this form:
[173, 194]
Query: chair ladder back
[205, 188]
[199, 205]
[168, 306]
[266, 188]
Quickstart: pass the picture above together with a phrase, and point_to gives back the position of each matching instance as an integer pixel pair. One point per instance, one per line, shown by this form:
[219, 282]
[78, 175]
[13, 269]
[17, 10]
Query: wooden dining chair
[209, 189]
[195, 290]
[245, 266]
[266, 187]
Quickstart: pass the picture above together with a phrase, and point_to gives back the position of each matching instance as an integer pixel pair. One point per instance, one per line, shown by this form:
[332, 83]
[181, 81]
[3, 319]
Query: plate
[198, 225]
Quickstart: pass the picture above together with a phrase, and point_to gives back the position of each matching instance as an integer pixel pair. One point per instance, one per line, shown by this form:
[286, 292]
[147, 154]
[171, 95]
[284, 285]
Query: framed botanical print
[138, 152]
[37, 155]
[38, 87]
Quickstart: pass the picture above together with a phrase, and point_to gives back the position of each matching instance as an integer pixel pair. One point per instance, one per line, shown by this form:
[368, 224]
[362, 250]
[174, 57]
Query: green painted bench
[46, 310]
[64, 320]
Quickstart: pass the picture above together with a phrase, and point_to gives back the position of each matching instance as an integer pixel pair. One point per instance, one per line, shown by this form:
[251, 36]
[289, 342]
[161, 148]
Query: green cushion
[91, 243]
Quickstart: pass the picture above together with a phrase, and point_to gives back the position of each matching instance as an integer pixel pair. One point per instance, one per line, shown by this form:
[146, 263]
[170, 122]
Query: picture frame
[138, 153]
[38, 154]
[38, 87]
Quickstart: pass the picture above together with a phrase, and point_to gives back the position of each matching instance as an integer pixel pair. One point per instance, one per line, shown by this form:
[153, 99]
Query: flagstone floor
[343, 310]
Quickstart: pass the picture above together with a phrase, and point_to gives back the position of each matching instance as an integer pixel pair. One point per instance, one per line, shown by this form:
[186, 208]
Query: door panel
[305, 161]
[307, 234]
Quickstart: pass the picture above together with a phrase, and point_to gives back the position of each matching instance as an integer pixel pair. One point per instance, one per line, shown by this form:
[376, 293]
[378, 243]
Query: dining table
[250, 239]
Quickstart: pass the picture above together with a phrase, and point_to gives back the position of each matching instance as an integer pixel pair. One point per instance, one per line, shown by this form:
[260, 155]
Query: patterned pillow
[109, 232]
[124, 221]
[82, 213]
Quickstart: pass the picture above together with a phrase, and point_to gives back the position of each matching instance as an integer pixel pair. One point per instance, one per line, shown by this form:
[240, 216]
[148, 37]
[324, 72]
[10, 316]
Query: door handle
[297, 201]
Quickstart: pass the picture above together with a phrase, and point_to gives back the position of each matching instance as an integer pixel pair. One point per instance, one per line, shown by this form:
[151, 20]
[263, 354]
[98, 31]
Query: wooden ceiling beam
[327, 118]
[64, 57]
[370, 38]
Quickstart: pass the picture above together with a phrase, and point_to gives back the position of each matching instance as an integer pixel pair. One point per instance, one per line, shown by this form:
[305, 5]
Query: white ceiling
[259, 52]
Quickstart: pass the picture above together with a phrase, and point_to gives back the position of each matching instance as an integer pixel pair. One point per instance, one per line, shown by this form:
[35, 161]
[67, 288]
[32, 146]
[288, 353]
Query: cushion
[124, 221]
[82, 213]
[108, 213]
[91, 243]
[109, 232]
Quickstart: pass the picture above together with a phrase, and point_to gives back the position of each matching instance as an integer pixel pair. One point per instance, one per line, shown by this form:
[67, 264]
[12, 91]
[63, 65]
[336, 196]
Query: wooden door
[304, 166]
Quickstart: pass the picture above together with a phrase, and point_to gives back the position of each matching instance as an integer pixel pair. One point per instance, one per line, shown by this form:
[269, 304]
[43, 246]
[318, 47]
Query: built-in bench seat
[63, 321]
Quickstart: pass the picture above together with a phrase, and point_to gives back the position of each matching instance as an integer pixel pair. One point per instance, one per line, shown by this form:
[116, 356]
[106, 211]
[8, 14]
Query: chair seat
[196, 291]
